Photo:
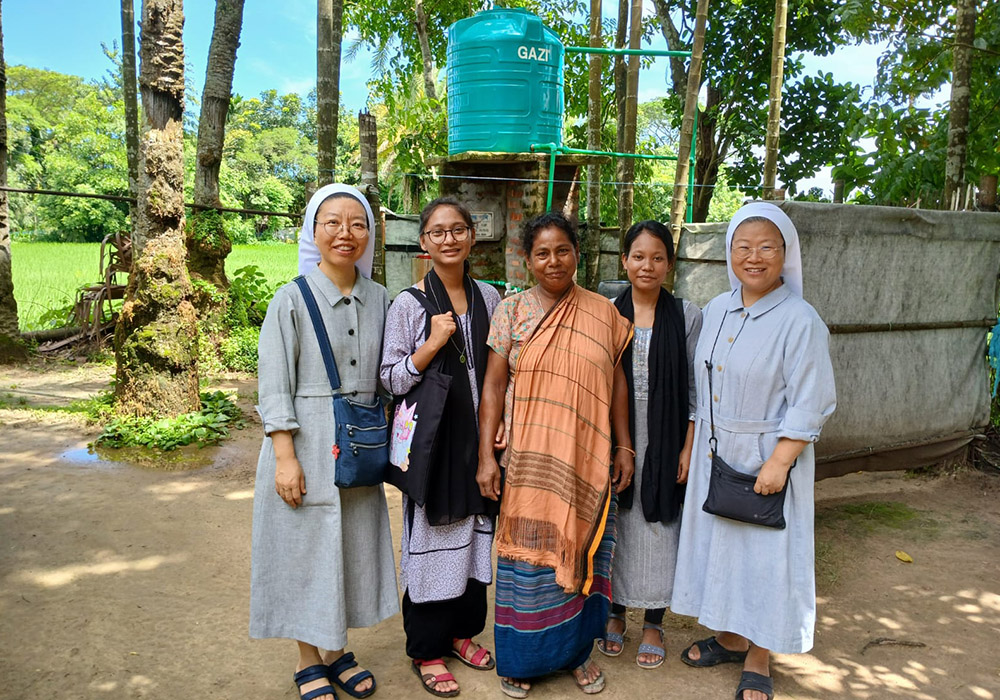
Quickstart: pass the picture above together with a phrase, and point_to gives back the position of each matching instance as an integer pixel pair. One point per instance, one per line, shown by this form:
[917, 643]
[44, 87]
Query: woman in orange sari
[555, 379]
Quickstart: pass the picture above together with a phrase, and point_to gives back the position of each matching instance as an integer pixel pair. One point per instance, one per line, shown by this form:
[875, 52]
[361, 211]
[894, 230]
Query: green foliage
[205, 427]
[249, 295]
[46, 277]
[239, 350]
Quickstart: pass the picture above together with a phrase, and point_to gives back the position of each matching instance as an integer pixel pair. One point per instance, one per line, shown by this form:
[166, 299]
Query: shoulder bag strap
[324, 340]
[429, 309]
[712, 441]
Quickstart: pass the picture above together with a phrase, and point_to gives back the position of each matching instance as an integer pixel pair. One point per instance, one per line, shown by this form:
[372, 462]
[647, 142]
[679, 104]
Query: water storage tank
[505, 83]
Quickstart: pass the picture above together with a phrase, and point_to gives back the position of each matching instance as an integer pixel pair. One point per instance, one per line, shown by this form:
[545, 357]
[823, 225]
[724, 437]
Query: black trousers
[431, 627]
[653, 615]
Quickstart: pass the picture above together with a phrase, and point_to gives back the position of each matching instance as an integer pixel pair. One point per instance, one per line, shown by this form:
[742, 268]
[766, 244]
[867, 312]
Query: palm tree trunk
[368, 140]
[425, 49]
[156, 340]
[593, 275]
[10, 342]
[679, 205]
[207, 242]
[958, 120]
[329, 30]
[774, 109]
[131, 104]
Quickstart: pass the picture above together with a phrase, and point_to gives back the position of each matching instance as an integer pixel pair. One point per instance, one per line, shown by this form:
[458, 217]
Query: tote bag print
[404, 425]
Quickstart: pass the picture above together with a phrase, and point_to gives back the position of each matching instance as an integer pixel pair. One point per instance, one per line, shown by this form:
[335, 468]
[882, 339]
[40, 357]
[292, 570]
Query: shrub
[239, 350]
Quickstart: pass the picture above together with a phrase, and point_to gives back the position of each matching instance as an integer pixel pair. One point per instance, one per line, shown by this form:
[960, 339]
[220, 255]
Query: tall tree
[736, 69]
[10, 343]
[207, 241]
[626, 166]
[131, 102]
[329, 34]
[594, 95]
[156, 340]
[774, 98]
[958, 120]
[425, 49]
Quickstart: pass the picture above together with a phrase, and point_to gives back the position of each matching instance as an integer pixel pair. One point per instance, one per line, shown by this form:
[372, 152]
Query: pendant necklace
[458, 323]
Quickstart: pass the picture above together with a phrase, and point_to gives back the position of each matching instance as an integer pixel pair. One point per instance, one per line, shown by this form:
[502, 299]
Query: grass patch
[94, 409]
[47, 275]
[205, 427]
[868, 517]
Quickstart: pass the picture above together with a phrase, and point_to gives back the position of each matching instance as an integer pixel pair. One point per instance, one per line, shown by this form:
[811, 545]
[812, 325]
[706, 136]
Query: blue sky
[278, 47]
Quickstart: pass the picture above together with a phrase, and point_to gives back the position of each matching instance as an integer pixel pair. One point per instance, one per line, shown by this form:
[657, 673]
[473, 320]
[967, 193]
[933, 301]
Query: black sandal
[345, 662]
[712, 654]
[754, 681]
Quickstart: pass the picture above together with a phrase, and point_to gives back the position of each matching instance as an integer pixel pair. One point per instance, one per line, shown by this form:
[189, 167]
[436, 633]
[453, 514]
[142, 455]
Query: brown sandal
[429, 680]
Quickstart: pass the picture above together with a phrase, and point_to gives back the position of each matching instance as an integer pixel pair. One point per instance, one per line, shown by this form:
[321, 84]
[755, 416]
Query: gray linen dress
[645, 552]
[327, 565]
[436, 561]
[772, 378]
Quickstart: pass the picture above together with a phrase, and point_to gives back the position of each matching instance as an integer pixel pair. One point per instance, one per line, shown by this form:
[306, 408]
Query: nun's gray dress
[772, 378]
[327, 565]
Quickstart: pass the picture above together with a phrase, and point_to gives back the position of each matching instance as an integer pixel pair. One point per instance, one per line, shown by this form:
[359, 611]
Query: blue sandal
[755, 681]
[651, 649]
[613, 637]
[344, 663]
[314, 673]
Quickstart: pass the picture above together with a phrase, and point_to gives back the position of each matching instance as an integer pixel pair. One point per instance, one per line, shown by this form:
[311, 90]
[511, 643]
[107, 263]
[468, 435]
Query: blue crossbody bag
[362, 447]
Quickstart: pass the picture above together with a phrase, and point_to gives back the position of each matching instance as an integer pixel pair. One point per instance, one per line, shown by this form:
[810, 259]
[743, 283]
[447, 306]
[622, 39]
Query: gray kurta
[436, 561]
[326, 566]
[772, 378]
[645, 552]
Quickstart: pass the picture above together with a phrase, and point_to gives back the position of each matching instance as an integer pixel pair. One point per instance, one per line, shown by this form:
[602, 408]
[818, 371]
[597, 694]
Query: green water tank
[505, 83]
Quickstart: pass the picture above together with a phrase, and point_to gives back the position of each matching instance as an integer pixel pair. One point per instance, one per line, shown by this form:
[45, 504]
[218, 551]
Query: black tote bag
[416, 417]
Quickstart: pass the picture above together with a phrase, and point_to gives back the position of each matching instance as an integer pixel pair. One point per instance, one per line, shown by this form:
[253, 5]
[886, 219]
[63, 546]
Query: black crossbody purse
[730, 492]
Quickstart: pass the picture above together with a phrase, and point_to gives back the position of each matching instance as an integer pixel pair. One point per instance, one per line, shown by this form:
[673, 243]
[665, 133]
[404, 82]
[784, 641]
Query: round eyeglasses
[437, 236]
[332, 227]
[768, 252]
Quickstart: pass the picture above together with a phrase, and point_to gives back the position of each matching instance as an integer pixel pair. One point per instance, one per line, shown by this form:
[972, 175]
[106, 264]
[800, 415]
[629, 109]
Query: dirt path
[126, 582]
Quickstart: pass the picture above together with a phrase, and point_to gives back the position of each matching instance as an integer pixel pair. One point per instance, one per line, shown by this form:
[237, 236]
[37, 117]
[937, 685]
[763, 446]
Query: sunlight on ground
[170, 491]
[239, 495]
[6, 511]
[111, 564]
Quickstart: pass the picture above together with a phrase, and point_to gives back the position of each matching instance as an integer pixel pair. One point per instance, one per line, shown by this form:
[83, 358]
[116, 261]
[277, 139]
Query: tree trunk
[593, 271]
[709, 157]
[329, 30]
[838, 191]
[368, 139]
[774, 99]
[987, 199]
[620, 73]
[131, 106]
[958, 120]
[626, 166]
[156, 340]
[679, 204]
[11, 347]
[425, 49]
[678, 72]
[207, 242]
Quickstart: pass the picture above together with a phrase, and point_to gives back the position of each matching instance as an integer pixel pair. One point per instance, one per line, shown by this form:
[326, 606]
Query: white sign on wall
[485, 230]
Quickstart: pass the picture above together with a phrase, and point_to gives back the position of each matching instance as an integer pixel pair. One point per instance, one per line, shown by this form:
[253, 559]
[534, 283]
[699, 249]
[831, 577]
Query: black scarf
[660, 494]
[452, 491]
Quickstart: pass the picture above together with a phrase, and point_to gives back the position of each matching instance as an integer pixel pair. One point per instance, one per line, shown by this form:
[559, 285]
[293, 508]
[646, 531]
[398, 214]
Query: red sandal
[476, 661]
[429, 680]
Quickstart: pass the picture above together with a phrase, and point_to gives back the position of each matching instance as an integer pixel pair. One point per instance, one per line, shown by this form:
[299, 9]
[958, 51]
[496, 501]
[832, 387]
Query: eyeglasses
[332, 227]
[459, 233]
[768, 252]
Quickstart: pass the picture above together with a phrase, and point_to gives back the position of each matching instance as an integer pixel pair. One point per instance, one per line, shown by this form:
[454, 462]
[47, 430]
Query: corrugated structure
[909, 296]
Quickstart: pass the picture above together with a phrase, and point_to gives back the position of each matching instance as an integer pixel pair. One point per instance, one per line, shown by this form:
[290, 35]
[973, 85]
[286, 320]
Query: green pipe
[626, 52]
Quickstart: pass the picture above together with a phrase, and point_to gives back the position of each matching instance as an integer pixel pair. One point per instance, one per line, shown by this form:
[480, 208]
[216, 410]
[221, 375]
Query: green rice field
[47, 275]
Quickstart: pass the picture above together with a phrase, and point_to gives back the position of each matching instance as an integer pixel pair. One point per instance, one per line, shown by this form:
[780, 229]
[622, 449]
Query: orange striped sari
[557, 489]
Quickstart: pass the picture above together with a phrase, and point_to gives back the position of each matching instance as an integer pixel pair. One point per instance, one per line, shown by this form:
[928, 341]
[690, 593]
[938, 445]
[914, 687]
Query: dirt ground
[123, 581]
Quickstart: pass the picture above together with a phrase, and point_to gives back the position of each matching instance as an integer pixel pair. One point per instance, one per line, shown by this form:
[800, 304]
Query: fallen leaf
[903, 556]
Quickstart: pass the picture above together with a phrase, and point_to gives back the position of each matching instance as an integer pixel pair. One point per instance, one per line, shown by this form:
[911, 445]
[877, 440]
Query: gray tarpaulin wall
[909, 296]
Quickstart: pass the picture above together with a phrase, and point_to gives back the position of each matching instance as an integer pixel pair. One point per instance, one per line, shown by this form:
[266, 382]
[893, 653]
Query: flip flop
[313, 673]
[651, 648]
[613, 637]
[712, 654]
[429, 680]
[511, 690]
[476, 661]
[595, 686]
[754, 681]
[349, 686]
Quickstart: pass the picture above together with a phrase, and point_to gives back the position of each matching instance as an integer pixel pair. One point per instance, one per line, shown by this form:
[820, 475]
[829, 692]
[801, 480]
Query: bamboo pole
[774, 99]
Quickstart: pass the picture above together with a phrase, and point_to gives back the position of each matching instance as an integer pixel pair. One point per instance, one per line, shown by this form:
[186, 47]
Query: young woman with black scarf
[446, 543]
[661, 388]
